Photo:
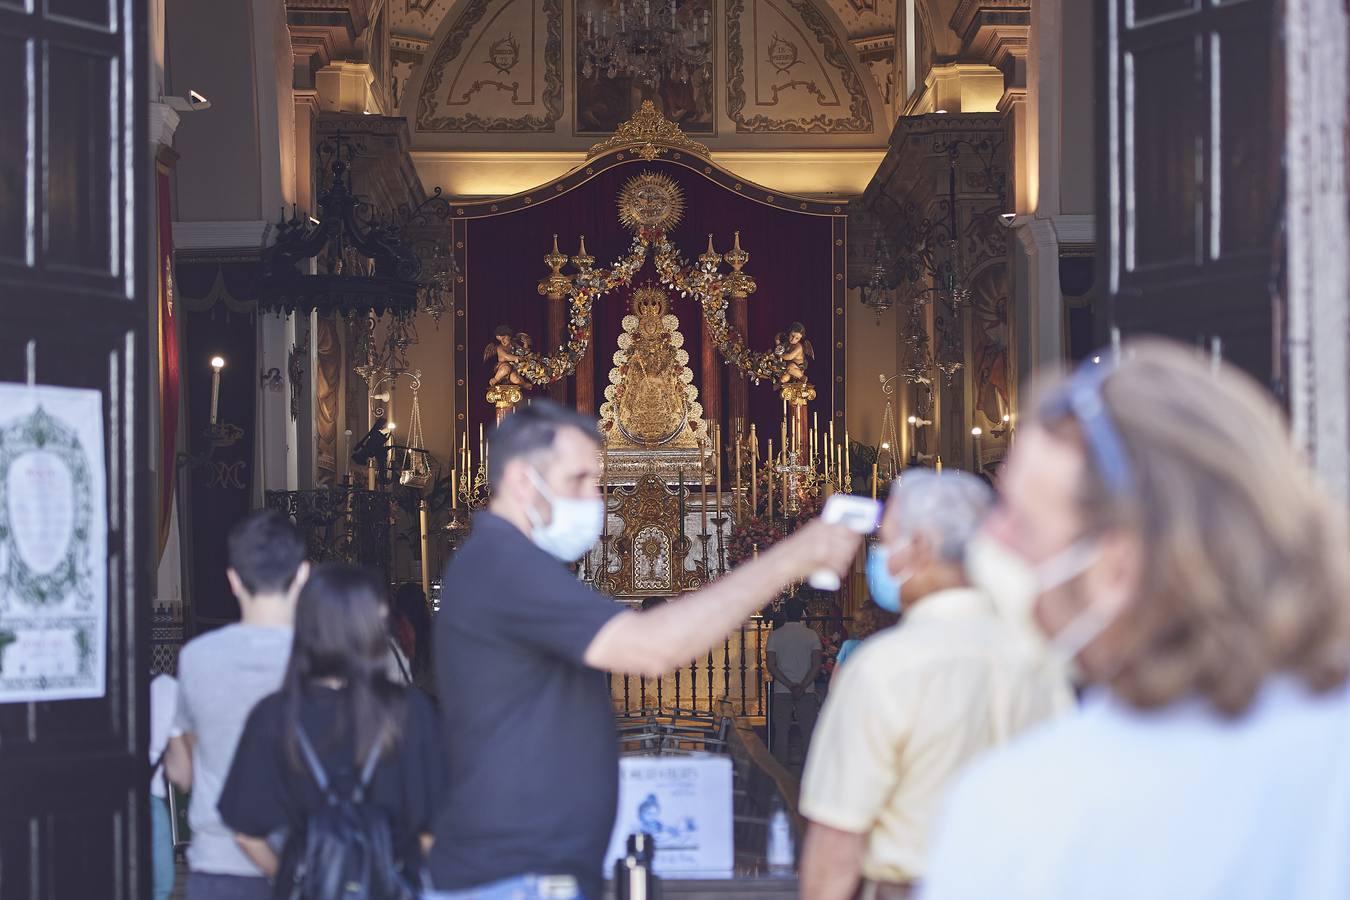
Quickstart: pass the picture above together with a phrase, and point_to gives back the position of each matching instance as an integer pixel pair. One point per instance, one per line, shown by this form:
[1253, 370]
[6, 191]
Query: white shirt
[915, 703]
[1118, 803]
[792, 645]
[163, 705]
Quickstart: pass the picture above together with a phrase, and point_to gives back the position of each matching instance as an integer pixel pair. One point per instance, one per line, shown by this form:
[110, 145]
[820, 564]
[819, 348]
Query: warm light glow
[913, 420]
[1007, 418]
[390, 427]
[886, 445]
[217, 362]
[976, 431]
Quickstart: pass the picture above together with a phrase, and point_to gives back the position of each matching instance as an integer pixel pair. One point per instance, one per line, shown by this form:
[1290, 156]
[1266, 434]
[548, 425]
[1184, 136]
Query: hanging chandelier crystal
[878, 294]
[649, 40]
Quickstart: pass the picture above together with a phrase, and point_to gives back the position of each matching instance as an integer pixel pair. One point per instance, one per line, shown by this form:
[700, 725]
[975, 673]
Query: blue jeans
[521, 887]
[209, 886]
[161, 847]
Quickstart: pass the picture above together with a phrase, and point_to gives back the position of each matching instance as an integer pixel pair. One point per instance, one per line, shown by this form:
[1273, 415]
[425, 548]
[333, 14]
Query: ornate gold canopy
[652, 133]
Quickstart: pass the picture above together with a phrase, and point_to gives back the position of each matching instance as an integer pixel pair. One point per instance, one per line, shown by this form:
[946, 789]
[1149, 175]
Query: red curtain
[169, 376]
[791, 259]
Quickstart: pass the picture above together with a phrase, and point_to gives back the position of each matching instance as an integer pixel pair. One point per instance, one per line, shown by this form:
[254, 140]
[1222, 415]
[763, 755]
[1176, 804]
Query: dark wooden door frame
[74, 775]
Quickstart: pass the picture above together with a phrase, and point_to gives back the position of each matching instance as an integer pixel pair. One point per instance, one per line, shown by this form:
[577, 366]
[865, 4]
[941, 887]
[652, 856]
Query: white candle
[217, 363]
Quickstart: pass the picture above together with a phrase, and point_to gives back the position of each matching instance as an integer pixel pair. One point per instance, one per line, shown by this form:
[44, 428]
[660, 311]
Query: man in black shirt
[521, 651]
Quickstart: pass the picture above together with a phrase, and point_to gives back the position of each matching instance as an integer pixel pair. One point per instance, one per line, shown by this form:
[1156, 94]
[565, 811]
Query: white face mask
[574, 526]
[1015, 584]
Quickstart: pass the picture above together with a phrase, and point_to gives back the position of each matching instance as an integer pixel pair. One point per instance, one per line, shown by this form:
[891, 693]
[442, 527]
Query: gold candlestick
[874, 481]
[454, 490]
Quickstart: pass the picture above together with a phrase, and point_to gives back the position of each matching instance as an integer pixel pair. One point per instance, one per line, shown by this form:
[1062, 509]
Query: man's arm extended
[831, 863]
[662, 639]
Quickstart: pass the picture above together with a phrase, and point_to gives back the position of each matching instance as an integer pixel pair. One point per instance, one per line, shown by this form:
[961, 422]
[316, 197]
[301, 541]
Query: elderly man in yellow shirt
[917, 701]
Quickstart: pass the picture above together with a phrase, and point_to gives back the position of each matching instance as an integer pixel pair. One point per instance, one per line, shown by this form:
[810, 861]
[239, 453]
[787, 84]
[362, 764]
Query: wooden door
[74, 774]
[1189, 140]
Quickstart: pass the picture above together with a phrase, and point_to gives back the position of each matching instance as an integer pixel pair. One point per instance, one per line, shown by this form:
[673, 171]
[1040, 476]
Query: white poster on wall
[684, 803]
[53, 544]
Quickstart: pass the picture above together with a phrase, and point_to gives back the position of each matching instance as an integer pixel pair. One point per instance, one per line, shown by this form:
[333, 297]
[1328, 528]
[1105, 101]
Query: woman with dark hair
[337, 698]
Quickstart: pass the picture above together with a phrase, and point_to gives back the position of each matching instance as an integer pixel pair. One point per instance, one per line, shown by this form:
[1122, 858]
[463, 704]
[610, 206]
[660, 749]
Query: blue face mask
[884, 586]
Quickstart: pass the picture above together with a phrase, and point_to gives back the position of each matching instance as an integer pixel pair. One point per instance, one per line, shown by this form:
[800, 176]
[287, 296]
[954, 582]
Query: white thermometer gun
[860, 514]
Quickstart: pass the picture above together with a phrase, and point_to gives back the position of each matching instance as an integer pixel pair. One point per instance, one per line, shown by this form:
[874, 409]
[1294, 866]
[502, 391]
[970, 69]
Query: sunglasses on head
[1080, 398]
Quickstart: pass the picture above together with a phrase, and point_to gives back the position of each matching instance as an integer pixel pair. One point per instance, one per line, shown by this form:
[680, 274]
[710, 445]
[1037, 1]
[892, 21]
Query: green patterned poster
[53, 544]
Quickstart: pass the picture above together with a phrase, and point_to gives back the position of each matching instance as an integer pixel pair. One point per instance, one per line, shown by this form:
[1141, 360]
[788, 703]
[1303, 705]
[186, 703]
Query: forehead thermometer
[859, 514]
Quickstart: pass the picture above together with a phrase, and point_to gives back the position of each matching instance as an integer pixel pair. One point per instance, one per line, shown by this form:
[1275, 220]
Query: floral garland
[585, 288]
[702, 282]
[711, 289]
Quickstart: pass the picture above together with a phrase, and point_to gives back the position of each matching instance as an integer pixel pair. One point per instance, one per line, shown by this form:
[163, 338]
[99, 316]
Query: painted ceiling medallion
[651, 201]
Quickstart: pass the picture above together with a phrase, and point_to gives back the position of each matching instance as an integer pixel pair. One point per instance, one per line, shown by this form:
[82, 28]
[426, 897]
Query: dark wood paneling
[73, 241]
[1188, 154]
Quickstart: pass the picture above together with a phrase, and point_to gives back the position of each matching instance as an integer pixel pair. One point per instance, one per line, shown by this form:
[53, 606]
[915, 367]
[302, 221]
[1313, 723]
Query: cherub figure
[506, 348]
[794, 350]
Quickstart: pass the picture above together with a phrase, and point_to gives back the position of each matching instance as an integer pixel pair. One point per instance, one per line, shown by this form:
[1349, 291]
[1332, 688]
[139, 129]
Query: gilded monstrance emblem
[651, 200]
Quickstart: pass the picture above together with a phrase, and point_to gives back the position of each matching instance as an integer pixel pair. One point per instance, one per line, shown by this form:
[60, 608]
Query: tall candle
[703, 507]
[939, 465]
[874, 481]
[717, 443]
[604, 485]
[454, 489]
[681, 504]
[754, 481]
[768, 475]
[848, 462]
[217, 363]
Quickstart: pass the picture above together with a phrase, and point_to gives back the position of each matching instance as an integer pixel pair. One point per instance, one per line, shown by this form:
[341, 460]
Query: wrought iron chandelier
[878, 292]
[650, 40]
[364, 264]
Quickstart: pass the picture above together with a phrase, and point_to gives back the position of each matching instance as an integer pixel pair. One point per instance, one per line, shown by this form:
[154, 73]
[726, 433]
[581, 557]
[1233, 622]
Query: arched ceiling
[865, 28]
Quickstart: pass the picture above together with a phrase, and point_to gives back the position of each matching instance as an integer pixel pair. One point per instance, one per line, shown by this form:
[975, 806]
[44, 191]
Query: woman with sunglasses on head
[1160, 531]
[337, 719]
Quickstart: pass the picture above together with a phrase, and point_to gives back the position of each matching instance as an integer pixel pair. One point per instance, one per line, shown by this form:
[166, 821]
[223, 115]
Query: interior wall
[1077, 121]
[873, 349]
[218, 177]
[434, 355]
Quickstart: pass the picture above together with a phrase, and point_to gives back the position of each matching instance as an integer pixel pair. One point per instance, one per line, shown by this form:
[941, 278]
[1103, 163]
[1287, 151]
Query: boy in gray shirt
[221, 675]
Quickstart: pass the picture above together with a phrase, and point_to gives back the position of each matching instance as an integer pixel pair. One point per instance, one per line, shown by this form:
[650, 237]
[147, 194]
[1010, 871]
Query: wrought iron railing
[734, 672]
[341, 522]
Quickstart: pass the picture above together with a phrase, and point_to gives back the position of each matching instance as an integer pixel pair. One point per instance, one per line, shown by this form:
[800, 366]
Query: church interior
[778, 249]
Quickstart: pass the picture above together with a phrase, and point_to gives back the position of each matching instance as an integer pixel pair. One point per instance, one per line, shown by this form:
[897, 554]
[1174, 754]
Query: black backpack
[345, 850]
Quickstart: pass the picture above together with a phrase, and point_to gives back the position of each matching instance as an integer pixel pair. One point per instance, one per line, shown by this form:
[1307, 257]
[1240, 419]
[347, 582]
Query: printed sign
[53, 544]
[684, 803]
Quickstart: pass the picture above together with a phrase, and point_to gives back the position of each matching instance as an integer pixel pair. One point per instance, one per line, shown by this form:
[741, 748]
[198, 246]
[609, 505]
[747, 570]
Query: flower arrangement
[586, 286]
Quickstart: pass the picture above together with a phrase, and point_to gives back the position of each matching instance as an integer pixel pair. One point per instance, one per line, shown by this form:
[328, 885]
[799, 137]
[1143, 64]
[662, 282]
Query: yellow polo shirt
[908, 710]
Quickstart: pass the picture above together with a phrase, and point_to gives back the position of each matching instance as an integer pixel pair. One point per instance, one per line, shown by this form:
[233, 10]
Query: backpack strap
[311, 759]
[372, 760]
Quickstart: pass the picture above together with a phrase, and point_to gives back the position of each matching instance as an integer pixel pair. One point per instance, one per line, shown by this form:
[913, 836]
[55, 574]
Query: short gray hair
[946, 508]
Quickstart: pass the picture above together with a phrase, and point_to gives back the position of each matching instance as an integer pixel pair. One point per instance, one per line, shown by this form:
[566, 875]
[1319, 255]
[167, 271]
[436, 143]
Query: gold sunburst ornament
[650, 203]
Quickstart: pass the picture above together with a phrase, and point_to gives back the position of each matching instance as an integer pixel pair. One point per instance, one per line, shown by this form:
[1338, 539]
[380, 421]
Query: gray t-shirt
[221, 677]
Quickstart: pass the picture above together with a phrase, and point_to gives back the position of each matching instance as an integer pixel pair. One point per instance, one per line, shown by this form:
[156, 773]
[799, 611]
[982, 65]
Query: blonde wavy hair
[1246, 562]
